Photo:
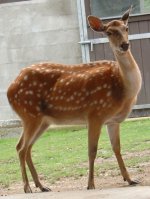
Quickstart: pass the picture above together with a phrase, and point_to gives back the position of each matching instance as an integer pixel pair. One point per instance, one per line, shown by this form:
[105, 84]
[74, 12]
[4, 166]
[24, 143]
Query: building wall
[35, 31]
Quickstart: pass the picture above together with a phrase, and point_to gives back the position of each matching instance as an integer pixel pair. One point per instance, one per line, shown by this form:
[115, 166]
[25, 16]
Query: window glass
[113, 8]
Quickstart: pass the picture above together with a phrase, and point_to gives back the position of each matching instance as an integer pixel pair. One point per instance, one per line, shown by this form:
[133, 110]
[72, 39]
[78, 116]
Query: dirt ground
[108, 179]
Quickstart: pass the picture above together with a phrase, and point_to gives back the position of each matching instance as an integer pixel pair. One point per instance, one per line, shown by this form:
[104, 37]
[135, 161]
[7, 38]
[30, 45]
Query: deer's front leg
[93, 136]
[114, 134]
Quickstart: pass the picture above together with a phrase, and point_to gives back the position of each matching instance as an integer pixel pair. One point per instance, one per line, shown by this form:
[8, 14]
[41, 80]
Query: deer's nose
[125, 46]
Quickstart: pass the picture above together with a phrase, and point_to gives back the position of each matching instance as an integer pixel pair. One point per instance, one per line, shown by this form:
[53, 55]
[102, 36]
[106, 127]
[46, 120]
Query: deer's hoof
[27, 189]
[92, 186]
[45, 189]
[135, 182]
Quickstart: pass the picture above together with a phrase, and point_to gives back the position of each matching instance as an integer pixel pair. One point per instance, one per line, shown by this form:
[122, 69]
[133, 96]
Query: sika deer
[101, 92]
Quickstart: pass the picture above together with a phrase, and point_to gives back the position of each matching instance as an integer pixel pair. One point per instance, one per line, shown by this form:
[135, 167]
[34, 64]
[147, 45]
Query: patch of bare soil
[107, 179]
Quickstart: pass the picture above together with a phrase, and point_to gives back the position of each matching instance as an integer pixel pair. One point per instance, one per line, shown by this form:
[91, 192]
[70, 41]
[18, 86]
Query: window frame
[11, 1]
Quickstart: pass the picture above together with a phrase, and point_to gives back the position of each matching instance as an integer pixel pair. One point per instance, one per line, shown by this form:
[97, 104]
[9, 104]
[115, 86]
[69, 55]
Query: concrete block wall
[35, 31]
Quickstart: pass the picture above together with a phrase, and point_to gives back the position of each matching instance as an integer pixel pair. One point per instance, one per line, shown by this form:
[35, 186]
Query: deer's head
[116, 30]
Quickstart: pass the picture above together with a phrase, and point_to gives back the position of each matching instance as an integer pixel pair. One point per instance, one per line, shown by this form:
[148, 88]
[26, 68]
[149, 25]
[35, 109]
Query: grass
[63, 153]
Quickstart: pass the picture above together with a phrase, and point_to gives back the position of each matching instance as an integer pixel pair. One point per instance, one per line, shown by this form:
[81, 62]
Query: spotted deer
[98, 93]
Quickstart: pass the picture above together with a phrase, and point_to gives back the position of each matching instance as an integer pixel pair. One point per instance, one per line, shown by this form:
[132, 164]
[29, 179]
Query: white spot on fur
[99, 88]
[32, 115]
[30, 103]
[38, 95]
[50, 106]
[37, 108]
[108, 93]
[84, 105]
[46, 92]
[64, 109]
[25, 77]
[101, 101]
[104, 104]
[71, 98]
[92, 92]
[87, 93]
[112, 64]
[62, 80]
[105, 86]
[92, 103]
[109, 105]
[77, 102]
[84, 90]
[30, 92]
[33, 72]
[95, 102]
[99, 114]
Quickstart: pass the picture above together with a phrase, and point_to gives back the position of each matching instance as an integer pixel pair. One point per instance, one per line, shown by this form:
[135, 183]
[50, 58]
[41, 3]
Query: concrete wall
[35, 31]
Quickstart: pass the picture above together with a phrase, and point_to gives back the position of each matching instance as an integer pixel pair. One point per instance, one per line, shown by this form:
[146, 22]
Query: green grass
[63, 153]
[146, 6]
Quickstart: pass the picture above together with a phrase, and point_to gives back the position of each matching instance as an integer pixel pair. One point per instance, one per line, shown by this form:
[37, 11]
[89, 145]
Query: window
[113, 8]
[11, 1]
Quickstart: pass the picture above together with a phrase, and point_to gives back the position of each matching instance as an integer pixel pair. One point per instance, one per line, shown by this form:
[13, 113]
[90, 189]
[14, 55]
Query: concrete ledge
[10, 123]
[139, 192]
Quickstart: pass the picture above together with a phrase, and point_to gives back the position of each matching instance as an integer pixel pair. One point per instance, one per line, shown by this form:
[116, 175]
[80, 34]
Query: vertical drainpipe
[83, 31]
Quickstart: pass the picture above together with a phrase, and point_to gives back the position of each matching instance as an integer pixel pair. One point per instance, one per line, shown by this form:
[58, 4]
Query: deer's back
[67, 91]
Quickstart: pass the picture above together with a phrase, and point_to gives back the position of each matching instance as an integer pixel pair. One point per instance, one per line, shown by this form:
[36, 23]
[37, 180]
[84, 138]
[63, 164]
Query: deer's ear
[125, 16]
[95, 23]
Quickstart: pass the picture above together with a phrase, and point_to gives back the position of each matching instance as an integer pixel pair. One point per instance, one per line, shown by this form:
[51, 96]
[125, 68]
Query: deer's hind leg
[30, 162]
[32, 127]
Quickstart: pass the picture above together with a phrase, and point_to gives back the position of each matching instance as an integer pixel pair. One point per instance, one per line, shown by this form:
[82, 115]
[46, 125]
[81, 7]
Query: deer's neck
[130, 73]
